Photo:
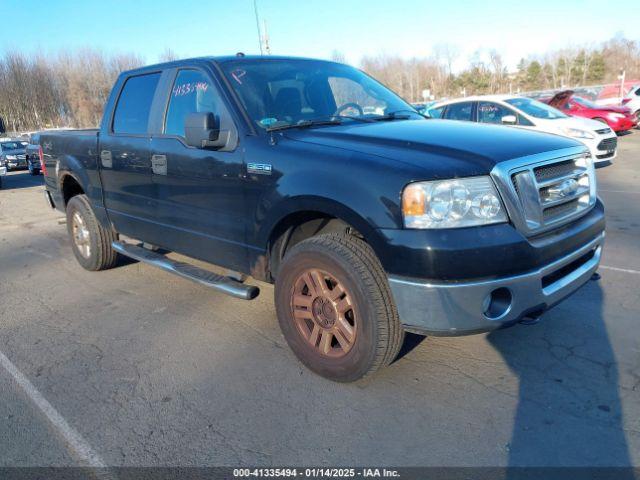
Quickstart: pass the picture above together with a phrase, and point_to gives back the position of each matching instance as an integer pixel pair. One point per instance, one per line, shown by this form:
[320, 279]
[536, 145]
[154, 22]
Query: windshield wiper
[304, 124]
[395, 116]
[331, 120]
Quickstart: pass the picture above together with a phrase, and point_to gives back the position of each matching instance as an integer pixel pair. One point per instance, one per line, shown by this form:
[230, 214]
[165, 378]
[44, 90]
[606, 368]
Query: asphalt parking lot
[137, 367]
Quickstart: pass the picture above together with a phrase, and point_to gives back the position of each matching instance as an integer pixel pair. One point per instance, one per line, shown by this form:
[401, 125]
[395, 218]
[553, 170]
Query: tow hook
[531, 319]
[596, 276]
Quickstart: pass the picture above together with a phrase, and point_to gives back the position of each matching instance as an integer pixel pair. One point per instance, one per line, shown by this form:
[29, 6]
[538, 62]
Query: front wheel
[335, 307]
[90, 240]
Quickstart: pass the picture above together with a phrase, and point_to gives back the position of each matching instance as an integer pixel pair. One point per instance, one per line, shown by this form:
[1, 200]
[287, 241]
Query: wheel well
[70, 188]
[299, 226]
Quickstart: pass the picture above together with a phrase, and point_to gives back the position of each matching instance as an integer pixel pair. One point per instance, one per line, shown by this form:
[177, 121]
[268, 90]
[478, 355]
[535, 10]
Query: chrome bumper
[462, 308]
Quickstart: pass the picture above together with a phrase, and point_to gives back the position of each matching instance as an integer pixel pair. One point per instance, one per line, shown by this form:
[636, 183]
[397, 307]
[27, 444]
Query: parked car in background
[32, 152]
[632, 102]
[620, 119]
[12, 154]
[531, 114]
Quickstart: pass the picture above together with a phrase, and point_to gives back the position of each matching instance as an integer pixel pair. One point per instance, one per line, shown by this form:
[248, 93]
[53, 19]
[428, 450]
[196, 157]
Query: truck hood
[446, 147]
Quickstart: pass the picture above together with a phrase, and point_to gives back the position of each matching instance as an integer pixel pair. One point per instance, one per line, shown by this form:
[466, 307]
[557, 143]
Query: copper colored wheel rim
[324, 313]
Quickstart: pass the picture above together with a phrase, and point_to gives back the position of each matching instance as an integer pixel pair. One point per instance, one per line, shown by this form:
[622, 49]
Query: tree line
[66, 90]
[486, 72]
[70, 89]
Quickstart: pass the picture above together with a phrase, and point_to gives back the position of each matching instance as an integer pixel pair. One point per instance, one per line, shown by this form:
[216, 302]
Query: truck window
[346, 91]
[134, 104]
[459, 111]
[192, 92]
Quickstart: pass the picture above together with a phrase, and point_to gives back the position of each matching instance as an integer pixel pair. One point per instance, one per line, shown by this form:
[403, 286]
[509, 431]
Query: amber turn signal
[413, 201]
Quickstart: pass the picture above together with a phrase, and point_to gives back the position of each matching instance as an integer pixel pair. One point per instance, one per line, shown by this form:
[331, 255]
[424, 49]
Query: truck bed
[66, 151]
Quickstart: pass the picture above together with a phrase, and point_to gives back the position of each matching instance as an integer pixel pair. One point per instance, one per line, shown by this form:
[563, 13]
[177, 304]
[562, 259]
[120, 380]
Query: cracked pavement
[154, 370]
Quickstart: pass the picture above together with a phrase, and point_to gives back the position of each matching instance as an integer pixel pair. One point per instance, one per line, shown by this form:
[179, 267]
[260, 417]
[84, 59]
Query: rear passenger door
[200, 191]
[125, 159]
[459, 111]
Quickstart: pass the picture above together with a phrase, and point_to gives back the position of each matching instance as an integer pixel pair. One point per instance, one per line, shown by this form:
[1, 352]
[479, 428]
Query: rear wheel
[91, 242]
[335, 307]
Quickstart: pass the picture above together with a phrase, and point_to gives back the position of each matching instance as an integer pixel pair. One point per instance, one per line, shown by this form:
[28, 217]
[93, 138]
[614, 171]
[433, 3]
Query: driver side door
[200, 191]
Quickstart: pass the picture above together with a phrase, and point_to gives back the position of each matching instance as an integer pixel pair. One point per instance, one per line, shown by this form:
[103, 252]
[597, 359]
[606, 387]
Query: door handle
[105, 159]
[159, 164]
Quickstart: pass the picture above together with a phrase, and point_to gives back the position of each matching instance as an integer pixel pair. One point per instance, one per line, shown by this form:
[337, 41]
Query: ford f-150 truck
[369, 219]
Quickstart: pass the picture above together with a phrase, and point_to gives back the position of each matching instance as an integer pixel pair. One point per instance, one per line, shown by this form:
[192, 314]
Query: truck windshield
[536, 109]
[278, 92]
[10, 145]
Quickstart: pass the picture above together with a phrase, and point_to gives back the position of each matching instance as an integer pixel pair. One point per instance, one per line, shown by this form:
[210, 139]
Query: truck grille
[544, 195]
[608, 144]
[21, 157]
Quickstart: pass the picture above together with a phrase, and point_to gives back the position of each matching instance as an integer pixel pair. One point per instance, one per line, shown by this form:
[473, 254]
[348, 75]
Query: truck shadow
[569, 411]
[21, 179]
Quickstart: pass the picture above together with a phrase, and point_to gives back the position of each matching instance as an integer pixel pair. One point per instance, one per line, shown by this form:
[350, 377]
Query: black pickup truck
[369, 219]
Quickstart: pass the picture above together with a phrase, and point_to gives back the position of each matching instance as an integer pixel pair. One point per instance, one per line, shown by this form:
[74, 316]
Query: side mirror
[202, 130]
[509, 120]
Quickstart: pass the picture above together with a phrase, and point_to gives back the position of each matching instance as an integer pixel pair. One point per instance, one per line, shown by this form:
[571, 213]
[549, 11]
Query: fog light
[497, 303]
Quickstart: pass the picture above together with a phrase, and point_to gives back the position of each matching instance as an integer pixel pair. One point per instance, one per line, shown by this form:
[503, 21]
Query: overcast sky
[314, 28]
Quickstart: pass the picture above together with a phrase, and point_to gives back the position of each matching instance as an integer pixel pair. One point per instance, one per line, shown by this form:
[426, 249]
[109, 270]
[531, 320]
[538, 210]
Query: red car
[620, 119]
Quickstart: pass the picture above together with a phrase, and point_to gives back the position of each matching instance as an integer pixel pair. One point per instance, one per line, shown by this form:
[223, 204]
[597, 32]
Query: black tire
[100, 254]
[33, 171]
[378, 332]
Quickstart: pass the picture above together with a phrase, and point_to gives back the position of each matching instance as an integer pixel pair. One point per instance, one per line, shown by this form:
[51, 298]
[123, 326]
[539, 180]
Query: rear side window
[134, 104]
[192, 92]
[459, 111]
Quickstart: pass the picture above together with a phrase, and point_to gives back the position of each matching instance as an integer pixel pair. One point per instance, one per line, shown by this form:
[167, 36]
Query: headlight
[463, 202]
[11, 157]
[577, 133]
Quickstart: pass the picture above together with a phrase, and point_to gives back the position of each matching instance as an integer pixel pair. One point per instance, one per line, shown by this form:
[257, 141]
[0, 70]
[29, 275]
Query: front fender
[362, 204]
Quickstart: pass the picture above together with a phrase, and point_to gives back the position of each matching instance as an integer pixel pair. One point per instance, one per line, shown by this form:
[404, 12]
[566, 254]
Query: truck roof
[219, 59]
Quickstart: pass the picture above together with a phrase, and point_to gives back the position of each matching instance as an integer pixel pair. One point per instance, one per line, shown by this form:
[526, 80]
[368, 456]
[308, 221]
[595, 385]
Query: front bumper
[603, 149]
[623, 124]
[20, 163]
[462, 308]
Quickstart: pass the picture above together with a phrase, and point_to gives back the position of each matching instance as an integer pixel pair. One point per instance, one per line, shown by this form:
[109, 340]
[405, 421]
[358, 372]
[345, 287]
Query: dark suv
[12, 154]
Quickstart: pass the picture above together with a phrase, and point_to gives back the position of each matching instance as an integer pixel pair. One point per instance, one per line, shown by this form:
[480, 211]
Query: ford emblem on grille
[564, 189]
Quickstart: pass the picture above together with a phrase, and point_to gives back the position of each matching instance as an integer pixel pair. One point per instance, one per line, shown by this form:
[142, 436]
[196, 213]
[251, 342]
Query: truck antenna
[255, 9]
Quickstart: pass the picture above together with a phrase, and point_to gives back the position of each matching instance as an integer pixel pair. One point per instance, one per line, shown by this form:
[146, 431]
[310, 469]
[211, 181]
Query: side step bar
[186, 270]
